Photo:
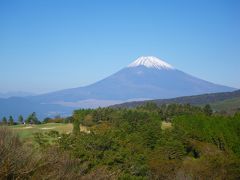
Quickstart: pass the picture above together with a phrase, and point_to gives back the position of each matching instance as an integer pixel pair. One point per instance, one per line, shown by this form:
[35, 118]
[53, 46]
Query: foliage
[227, 101]
[15, 160]
[56, 119]
[20, 119]
[32, 119]
[208, 110]
[11, 121]
[131, 144]
[219, 130]
[4, 120]
[78, 117]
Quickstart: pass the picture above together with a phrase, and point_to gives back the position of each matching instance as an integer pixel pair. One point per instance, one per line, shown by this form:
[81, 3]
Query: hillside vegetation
[227, 105]
[147, 142]
[228, 101]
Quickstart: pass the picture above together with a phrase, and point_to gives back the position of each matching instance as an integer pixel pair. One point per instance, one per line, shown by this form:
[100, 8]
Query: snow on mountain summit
[151, 62]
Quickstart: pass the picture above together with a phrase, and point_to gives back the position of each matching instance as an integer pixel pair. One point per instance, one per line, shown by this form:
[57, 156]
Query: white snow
[151, 62]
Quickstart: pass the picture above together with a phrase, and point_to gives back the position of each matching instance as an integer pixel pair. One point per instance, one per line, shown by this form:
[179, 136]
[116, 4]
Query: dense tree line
[132, 144]
[33, 119]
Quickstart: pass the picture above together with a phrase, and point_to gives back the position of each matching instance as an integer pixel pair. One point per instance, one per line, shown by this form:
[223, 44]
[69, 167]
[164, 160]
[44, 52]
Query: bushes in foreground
[16, 160]
[21, 161]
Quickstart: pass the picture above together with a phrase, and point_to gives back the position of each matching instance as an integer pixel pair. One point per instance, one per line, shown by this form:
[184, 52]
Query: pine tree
[4, 120]
[11, 120]
[34, 118]
[29, 119]
[20, 119]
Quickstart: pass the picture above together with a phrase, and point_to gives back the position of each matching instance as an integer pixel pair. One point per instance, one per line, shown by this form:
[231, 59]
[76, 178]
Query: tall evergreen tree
[4, 120]
[20, 119]
[32, 118]
[11, 120]
[29, 119]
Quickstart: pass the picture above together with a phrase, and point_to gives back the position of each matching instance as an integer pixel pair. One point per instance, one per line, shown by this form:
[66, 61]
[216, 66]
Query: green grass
[26, 132]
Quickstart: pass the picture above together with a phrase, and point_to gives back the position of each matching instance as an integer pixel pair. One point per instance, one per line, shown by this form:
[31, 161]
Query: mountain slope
[145, 78]
[220, 101]
[228, 105]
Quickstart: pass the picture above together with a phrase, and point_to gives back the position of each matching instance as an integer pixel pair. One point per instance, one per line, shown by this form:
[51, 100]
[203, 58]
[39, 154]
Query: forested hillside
[147, 142]
[220, 101]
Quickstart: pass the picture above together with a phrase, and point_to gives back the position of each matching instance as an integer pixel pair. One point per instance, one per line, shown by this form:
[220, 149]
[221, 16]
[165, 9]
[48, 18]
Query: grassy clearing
[26, 131]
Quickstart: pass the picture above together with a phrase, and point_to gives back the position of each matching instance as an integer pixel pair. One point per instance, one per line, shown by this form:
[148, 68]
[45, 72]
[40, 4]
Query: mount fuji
[145, 78]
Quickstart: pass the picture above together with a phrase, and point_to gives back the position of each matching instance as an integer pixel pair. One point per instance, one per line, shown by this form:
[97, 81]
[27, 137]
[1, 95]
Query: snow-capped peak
[151, 62]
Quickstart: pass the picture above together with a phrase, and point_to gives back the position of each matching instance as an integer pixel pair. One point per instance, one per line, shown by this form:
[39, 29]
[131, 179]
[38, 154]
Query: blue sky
[48, 45]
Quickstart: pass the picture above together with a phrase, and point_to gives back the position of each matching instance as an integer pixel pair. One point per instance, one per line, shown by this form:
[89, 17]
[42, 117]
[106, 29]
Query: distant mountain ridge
[15, 94]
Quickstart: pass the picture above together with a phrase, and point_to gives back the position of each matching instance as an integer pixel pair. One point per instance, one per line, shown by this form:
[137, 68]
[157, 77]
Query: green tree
[208, 110]
[20, 119]
[78, 117]
[29, 119]
[47, 120]
[151, 106]
[32, 118]
[4, 120]
[11, 120]
[76, 128]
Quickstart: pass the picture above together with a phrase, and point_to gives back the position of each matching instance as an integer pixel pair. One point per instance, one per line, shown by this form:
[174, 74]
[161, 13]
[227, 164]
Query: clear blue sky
[48, 45]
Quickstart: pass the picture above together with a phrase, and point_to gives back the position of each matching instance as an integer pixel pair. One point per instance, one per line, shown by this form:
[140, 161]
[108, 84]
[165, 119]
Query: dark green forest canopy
[132, 144]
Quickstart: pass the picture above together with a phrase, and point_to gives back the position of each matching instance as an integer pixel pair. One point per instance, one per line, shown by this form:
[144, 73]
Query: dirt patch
[28, 127]
[47, 128]
[166, 125]
[84, 129]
